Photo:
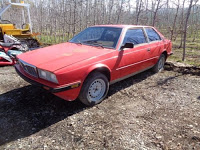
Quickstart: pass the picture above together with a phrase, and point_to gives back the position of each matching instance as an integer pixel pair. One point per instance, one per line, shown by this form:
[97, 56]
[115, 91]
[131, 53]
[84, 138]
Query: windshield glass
[98, 36]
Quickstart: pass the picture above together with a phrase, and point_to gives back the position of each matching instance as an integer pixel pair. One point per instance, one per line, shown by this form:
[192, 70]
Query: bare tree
[181, 23]
[157, 7]
[185, 28]
[59, 20]
[120, 11]
[110, 7]
[175, 18]
[139, 4]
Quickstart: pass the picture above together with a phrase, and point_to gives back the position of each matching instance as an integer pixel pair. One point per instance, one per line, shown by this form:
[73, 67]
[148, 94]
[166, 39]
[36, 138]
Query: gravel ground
[147, 111]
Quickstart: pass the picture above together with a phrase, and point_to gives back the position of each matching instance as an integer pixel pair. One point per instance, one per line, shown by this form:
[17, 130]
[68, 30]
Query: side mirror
[127, 45]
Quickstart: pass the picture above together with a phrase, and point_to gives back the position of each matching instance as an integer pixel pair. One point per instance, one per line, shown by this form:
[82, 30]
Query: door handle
[148, 49]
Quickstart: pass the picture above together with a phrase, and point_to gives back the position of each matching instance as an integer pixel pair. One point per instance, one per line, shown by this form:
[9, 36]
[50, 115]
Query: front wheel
[159, 66]
[94, 89]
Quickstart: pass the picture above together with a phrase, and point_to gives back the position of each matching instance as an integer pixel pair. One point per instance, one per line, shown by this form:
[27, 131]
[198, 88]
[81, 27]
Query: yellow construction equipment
[7, 28]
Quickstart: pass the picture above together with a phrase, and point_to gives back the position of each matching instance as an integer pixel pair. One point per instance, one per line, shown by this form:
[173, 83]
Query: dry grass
[192, 52]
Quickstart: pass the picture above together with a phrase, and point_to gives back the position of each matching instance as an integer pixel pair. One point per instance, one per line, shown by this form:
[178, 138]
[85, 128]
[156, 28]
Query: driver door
[135, 59]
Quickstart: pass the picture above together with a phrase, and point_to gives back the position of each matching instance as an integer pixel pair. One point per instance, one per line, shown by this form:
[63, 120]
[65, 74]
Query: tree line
[59, 20]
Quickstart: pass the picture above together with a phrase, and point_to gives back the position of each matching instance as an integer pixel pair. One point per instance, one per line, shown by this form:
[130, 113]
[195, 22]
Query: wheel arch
[165, 53]
[100, 68]
[92, 73]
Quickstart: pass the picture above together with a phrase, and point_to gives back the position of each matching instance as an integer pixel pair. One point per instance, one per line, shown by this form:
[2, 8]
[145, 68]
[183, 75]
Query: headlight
[46, 75]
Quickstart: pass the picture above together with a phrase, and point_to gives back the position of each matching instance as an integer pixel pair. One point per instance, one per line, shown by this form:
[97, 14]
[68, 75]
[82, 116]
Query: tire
[94, 90]
[159, 66]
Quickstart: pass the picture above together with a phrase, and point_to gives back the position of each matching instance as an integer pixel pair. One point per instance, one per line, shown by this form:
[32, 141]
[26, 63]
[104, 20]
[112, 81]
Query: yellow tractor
[8, 30]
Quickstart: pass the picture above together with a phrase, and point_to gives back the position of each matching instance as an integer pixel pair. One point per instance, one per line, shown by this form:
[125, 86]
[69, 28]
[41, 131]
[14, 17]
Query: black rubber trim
[61, 89]
[53, 90]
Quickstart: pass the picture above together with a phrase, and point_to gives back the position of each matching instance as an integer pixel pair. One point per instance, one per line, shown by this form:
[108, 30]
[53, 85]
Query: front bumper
[68, 92]
[53, 90]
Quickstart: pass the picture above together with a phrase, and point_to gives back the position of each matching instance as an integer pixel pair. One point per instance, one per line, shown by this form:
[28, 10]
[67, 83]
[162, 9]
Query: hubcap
[96, 90]
[161, 63]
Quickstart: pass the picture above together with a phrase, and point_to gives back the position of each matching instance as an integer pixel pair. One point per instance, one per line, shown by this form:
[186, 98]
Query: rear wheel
[94, 89]
[160, 64]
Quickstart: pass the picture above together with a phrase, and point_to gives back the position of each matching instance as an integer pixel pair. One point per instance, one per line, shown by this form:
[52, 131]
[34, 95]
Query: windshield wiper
[79, 42]
[94, 43]
[97, 44]
[76, 43]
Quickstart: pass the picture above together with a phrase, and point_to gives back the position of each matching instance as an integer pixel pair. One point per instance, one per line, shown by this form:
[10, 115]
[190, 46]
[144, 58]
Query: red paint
[73, 62]
[4, 62]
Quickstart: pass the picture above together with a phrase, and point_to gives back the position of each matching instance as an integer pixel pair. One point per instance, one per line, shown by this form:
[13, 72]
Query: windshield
[98, 36]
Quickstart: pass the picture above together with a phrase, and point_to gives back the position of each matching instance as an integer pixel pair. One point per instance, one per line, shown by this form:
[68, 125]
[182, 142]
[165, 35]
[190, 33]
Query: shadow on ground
[129, 82]
[27, 110]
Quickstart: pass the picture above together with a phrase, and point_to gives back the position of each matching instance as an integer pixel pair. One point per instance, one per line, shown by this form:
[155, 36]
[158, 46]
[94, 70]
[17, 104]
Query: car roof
[121, 26]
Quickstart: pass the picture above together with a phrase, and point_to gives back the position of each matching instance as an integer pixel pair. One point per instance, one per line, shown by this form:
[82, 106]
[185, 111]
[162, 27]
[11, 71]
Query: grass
[48, 39]
[192, 49]
[192, 52]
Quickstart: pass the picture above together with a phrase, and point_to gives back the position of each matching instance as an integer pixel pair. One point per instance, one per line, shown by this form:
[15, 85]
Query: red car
[99, 56]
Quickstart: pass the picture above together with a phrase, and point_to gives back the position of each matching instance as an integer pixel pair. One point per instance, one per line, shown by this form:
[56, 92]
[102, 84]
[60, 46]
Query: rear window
[152, 35]
[135, 36]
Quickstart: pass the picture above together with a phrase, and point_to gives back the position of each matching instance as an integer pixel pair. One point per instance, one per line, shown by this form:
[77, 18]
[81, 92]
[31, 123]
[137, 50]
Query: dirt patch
[147, 111]
[182, 68]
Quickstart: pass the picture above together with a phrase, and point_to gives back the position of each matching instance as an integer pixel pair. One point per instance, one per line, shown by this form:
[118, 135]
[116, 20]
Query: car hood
[62, 55]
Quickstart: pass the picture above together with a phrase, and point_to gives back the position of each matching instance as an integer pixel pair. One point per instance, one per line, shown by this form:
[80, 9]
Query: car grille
[30, 69]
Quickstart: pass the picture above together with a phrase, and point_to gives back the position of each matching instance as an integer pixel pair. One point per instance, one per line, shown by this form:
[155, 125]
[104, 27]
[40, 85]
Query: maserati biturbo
[100, 55]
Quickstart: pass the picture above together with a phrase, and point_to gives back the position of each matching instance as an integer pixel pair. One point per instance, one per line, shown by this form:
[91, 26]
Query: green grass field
[192, 52]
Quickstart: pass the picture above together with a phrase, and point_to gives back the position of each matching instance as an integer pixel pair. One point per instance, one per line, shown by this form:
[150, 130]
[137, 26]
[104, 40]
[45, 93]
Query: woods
[59, 20]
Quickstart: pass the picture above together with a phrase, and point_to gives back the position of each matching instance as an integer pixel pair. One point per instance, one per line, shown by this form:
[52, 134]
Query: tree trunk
[174, 23]
[120, 10]
[185, 29]
[138, 10]
[155, 12]
[181, 24]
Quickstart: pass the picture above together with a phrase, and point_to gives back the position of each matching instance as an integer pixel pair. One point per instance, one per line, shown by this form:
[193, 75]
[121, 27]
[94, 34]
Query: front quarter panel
[73, 76]
[79, 71]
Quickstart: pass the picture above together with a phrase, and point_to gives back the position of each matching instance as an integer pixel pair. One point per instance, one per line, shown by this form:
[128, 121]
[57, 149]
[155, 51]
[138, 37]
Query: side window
[152, 35]
[135, 36]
